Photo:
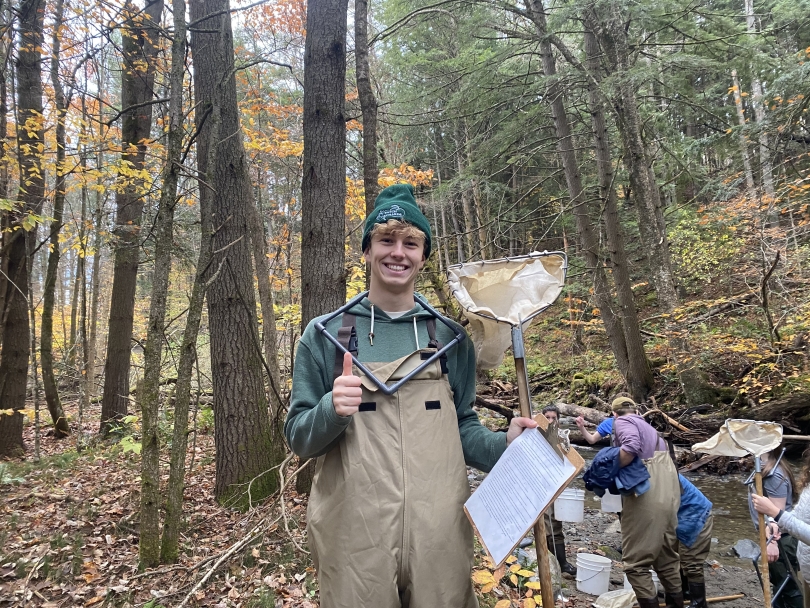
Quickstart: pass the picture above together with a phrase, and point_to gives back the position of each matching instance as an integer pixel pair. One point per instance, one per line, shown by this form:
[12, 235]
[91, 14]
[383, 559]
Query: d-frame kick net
[501, 298]
[738, 438]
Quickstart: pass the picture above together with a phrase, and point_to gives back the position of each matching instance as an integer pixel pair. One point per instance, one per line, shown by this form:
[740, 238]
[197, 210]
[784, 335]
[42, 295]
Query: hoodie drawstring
[371, 333]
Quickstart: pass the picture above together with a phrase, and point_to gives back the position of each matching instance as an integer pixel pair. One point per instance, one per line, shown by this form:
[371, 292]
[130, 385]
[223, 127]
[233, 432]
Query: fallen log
[577, 438]
[504, 411]
[588, 413]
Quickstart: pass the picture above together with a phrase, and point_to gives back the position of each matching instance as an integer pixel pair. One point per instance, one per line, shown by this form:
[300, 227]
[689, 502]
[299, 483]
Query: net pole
[763, 538]
[524, 398]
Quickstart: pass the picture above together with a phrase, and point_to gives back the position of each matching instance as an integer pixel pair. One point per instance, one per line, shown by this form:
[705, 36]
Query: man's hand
[516, 428]
[580, 422]
[346, 391]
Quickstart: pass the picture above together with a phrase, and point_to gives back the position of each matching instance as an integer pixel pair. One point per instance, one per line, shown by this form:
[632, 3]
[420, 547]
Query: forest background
[182, 189]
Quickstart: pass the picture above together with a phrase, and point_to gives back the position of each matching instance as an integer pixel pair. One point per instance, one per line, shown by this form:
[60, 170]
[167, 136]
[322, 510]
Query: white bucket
[611, 503]
[658, 586]
[570, 505]
[593, 573]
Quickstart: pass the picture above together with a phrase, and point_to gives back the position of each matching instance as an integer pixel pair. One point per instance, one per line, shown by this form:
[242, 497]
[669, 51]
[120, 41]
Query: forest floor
[69, 534]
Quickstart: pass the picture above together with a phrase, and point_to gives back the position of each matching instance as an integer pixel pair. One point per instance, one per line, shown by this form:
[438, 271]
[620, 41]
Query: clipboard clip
[551, 434]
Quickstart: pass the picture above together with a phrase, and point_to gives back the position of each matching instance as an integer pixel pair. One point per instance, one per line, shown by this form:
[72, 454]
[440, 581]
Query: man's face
[550, 416]
[395, 261]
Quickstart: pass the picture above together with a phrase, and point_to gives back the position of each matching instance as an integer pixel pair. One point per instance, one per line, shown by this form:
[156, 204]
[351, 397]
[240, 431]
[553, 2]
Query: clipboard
[501, 525]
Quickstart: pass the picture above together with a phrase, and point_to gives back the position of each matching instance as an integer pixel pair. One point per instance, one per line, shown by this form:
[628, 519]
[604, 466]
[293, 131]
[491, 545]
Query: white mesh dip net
[738, 438]
[500, 294]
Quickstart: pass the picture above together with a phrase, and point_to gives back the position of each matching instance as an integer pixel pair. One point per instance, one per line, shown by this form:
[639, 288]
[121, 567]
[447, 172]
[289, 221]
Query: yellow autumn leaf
[532, 585]
[487, 588]
[514, 580]
[483, 577]
[525, 573]
[514, 567]
[529, 603]
[511, 559]
[503, 604]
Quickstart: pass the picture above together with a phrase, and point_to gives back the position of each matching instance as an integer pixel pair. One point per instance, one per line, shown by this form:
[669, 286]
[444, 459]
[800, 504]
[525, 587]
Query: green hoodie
[313, 427]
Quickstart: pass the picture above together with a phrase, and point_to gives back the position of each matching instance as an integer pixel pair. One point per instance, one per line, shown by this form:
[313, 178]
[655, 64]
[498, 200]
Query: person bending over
[649, 520]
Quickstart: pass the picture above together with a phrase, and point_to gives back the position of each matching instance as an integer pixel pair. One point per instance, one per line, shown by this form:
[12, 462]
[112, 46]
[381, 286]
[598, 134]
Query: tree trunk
[470, 230]
[368, 104]
[269, 342]
[480, 219]
[757, 100]
[245, 454]
[95, 284]
[749, 174]
[639, 376]
[30, 135]
[581, 208]
[613, 40]
[460, 257]
[149, 395]
[61, 428]
[182, 392]
[86, 382]
[612, 32]
[34, 373]
[188, 352]
[323, 188]
[137, 82]
[323, 277]
[4, 173]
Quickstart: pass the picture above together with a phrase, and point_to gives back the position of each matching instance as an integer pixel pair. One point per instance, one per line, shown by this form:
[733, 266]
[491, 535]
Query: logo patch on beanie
[394, 212]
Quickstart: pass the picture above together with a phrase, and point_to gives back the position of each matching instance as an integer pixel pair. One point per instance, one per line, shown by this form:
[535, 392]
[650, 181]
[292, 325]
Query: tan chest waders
[385, 520]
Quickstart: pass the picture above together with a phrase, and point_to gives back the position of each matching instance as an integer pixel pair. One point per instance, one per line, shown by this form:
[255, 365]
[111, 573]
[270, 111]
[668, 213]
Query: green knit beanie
[397, 203]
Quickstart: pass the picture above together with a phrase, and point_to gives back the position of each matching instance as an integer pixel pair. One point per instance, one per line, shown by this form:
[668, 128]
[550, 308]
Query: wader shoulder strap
[434, 343]
[670, 447]
[431, 329]
[347, 336]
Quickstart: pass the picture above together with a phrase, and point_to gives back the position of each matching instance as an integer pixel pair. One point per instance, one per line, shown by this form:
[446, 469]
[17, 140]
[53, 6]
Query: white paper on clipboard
[515, 493]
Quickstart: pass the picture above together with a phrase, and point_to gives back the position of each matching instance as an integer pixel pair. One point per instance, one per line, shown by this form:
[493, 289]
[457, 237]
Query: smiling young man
[385, 520]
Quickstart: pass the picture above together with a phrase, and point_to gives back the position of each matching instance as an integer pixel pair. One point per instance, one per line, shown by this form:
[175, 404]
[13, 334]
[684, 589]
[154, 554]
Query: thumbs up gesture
[346, 391]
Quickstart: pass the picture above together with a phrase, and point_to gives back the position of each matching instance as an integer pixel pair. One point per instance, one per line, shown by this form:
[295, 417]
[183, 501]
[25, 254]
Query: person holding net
[779, 485]
[385, 518]
[796, 523]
